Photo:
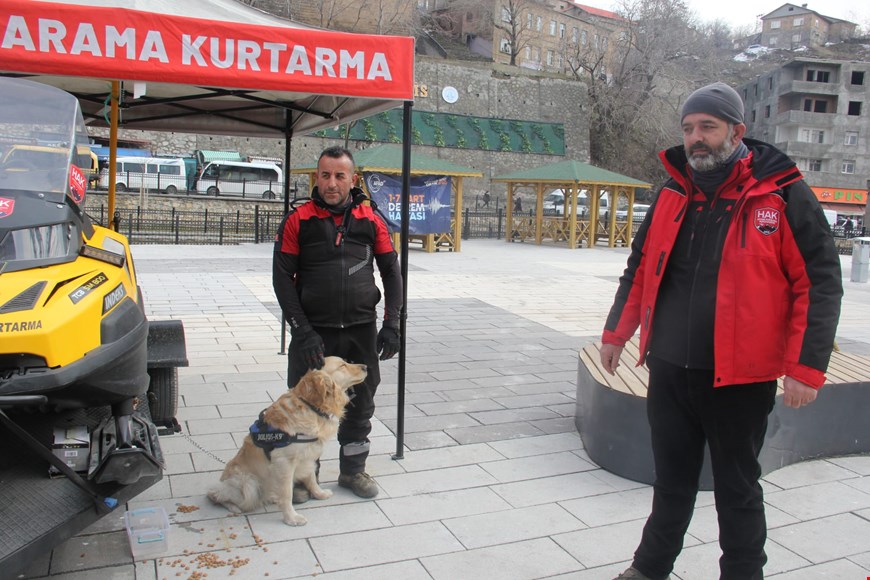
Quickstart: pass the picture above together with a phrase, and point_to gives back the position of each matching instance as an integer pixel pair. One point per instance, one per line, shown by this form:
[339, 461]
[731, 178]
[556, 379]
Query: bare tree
[635, 84]
[511, 18]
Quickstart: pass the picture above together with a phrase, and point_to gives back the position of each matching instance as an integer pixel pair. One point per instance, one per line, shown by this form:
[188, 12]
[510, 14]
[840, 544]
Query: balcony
[805, 118]
[802, 149]
[808, 88]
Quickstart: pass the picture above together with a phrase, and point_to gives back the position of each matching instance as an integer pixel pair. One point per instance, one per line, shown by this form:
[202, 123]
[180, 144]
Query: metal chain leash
[201, 448]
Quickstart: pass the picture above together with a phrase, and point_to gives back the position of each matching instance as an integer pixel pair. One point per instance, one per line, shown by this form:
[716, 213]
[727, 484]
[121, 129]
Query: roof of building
[571, 172]
[598, 11]
[388, 159]
[795, 10]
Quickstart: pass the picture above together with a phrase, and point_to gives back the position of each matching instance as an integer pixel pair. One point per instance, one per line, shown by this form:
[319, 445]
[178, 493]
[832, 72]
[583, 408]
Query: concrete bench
[611, 417]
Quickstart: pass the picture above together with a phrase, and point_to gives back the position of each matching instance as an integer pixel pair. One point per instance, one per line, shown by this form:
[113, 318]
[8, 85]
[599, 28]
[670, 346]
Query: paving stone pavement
[493, 481]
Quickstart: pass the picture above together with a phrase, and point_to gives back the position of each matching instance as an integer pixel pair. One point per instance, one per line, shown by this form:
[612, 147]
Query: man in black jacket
[323, 275]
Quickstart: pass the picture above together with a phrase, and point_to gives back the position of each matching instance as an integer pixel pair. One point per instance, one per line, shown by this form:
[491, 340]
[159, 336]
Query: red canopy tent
[210, 66]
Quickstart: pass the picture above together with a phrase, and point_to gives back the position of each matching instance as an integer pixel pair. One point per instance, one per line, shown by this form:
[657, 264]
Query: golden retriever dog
[308, 416]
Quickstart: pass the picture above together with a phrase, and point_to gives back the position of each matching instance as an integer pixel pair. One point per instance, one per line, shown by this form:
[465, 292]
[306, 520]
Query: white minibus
[261, 180]
[163, 174]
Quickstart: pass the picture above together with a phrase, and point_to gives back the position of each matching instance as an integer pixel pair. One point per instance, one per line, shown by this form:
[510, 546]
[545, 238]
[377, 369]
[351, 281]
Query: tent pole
[113, 151]
[403, 255]
[288, 137]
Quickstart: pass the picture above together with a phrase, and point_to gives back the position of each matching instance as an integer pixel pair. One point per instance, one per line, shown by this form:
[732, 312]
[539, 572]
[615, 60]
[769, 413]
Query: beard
[715, 158]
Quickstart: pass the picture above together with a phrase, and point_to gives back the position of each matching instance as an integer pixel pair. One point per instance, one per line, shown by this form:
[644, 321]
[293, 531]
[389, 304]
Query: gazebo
[572, 178]
[386, 160]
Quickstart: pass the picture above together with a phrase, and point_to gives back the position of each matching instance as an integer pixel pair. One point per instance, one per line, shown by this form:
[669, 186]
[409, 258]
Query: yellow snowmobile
[73, 331]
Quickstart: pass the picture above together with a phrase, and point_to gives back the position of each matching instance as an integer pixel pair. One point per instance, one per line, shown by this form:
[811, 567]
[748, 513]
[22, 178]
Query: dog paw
[295, 519]
[321, 494]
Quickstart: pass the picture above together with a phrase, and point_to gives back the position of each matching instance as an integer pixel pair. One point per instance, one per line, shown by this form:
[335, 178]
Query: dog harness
[268, 438]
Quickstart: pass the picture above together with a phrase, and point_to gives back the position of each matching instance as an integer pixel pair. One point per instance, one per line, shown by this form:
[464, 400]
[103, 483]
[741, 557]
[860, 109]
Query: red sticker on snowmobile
[7, 206]
[78, 185]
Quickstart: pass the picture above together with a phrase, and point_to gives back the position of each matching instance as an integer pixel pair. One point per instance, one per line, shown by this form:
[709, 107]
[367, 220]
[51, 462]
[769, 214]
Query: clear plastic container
[148, 532]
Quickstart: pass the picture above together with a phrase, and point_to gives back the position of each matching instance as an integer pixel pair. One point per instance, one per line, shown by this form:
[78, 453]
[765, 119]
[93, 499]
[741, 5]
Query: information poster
[429, 201]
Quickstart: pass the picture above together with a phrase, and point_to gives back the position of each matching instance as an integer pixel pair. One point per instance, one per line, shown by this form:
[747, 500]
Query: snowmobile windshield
[44, 148]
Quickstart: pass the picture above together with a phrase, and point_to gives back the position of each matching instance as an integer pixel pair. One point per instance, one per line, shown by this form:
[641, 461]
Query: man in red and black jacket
[734, 281]
[323, 275]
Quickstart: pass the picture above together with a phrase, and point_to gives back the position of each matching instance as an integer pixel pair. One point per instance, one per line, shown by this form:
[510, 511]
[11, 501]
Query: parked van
[163, 174]
[260, 180]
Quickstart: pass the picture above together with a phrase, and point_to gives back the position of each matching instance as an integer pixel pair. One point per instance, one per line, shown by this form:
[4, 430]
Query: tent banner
[429, 201]
[124, 44]
[840, 195]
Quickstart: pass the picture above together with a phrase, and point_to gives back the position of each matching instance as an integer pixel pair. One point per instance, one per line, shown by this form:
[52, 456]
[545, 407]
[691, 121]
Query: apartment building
[791, 27]
[818, 112]
[545, 35]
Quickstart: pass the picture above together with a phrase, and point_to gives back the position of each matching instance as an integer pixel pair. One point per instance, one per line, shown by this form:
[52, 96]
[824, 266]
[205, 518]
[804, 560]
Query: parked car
[638, 213]
[554, 204]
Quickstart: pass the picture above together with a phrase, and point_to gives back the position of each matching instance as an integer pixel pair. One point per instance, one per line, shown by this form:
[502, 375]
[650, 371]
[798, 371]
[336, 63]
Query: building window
[561, 31]
[550, 56]
[575, 35]
[505, 46]
[849, 166]
[603, 43]
[854, 108]
[539, 23]
[529, 23]
[795, 38]
[536, 54]
[857, 77]
[552, 28]
[528, 53]
[505, 14]
[798, 21]
[811, 136]
[753, 115]
[583, 38]
[772, 41]
[851, 138]
[770, 83]
[818, 76]
[775, 24]
[767, 111]
[810, 165]
[815, 106]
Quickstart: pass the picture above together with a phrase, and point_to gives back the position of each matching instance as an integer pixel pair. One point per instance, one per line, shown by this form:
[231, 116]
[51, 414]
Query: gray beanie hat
[718, 100]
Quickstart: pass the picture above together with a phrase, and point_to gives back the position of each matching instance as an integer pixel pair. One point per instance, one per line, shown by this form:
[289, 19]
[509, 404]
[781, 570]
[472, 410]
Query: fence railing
[258, 225]
[193, 227]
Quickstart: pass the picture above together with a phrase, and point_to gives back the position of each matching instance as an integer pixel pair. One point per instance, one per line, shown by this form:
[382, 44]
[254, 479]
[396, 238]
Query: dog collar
[315, 409]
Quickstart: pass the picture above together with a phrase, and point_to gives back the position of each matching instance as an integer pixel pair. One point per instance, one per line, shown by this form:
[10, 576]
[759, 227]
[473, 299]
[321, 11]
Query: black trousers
[684, 412]
[356, 344]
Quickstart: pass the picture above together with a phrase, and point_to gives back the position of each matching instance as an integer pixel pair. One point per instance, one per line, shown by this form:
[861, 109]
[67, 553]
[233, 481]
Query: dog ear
[319, 388]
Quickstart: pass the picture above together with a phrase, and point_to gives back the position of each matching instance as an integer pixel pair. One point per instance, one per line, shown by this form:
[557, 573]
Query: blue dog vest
[268, 438]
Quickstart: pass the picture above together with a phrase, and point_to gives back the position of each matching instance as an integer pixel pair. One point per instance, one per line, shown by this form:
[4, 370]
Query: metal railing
[258, 226]
[193, 227]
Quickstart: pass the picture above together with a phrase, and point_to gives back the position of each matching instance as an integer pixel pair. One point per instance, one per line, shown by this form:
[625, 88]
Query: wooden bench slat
[631, 379]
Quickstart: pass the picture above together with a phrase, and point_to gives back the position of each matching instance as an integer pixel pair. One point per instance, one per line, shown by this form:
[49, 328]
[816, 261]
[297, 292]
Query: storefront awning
[845, 208]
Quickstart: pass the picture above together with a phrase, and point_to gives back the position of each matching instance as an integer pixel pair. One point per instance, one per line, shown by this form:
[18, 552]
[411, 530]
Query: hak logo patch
[7, 206]
[767, 220]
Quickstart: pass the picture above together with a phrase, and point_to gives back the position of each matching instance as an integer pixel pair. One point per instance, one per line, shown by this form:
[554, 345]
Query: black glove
[311, 347]
[388, 342]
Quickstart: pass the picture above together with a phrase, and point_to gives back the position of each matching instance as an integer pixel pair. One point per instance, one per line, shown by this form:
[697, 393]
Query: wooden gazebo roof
[571, 177]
